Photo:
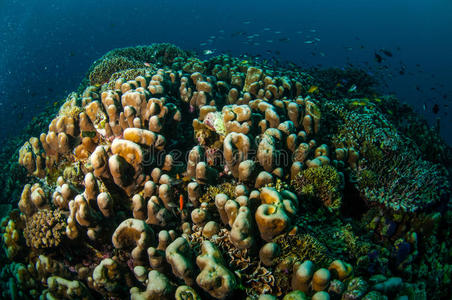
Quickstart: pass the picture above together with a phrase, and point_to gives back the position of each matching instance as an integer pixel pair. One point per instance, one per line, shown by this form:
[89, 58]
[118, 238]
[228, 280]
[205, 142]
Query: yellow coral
[45, 229]
[10, 234]
[225, 188]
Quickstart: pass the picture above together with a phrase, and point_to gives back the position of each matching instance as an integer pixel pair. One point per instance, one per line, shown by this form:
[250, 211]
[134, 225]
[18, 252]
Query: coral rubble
[174, 177]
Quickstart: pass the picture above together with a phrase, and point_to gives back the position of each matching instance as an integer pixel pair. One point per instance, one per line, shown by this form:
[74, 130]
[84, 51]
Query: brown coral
[45, 229]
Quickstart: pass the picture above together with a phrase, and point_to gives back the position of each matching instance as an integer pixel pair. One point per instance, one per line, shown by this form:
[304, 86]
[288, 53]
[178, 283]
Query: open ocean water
[47, 46]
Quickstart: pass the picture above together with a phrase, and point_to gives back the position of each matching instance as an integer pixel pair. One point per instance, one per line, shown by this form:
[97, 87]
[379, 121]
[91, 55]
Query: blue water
[47, 46]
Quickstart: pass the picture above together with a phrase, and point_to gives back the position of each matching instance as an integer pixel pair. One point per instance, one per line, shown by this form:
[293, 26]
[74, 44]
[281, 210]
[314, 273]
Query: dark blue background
[46, 47]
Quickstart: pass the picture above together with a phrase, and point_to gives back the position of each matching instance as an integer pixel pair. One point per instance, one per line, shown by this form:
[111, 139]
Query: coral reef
[168, 176]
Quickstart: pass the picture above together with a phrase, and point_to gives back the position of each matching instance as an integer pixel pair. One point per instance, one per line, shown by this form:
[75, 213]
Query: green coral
[323, 183]
[102, 72]
[132, 58]
[367, 179]
[128, 74]
[405, 181]
[303, 247]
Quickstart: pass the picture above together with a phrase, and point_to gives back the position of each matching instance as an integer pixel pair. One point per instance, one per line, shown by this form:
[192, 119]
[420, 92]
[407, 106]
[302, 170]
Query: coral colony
[172, 177]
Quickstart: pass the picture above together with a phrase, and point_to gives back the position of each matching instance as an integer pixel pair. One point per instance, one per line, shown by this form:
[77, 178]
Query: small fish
[308, 42]
[435, 109]
[267, 29]
[322, 54]
[312, 30]
[313, 89]
[317, 39]
[269, 41]
[377, 100]
[378, 57]
[424, 107]
[359, 103]
[386, 52]
[203, 44]
[147, 64]
[352, 88]
[246, 22]
[244, 62]
[207, 52]
[181, 202]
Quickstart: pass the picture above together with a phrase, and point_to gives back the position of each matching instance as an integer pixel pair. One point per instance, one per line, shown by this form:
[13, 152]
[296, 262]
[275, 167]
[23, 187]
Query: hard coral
[113, 160]
[45, 229]
[323, 183]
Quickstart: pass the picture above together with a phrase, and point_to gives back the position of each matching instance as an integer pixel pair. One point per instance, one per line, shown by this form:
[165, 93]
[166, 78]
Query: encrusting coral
[170, 177]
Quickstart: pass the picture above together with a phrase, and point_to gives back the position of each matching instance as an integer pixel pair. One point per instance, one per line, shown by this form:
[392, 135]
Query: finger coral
[168, 176]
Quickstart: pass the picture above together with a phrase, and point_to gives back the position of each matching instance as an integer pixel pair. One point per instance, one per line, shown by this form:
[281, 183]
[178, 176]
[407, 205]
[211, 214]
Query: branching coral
[323, 183]
[208, 153]
[45, 229]
[405, 181]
